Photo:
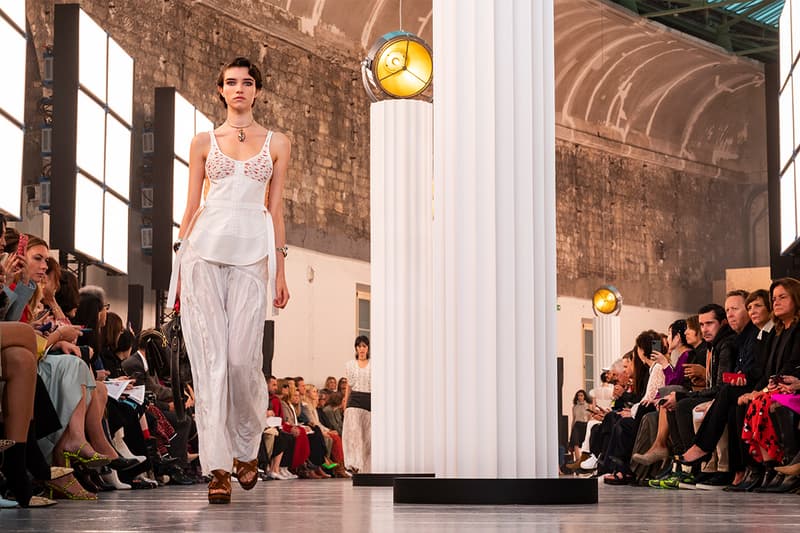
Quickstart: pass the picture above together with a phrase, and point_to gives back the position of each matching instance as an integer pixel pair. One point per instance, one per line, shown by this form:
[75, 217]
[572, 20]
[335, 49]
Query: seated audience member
[18, 374]
[334, 412]
[719, 416]
[137, 367]
[92, 314]
[332, 438]
[648, 379]
[67, 295]
[720, 358]
[330, 383]
[276, 443]
[678, 336]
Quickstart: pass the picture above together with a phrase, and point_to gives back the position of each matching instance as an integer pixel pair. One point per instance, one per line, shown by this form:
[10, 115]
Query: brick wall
[312, 92]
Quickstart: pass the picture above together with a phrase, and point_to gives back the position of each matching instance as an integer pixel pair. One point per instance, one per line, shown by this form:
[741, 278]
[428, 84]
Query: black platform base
[557, 491]
[382, 480]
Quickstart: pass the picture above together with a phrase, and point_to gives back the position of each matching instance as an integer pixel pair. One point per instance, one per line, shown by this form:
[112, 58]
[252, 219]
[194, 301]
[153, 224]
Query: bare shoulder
[280, 143]
[201, 142]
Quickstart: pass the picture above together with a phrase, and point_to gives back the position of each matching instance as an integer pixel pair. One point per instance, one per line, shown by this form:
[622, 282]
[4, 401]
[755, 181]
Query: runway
[332, 506]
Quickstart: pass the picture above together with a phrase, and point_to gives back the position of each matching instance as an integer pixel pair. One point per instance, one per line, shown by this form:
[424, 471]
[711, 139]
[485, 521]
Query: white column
[401, 177]
[606, 343]
[494, 239]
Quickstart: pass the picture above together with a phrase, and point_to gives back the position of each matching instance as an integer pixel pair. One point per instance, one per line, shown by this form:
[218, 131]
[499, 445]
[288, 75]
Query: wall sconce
[399, 65]
[606, 300]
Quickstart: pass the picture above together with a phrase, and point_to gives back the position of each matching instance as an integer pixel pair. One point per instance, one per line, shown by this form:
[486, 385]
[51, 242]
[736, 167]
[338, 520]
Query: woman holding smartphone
[227, 254]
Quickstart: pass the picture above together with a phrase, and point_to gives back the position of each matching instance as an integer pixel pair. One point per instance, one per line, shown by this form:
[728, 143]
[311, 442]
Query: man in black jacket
[721, 357]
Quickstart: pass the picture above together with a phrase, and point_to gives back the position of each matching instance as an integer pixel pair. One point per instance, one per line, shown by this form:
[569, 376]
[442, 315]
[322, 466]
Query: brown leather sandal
[219, 489]
[246, 473]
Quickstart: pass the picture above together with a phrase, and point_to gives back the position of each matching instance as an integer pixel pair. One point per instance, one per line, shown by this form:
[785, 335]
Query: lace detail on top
[220, 166]
[358, 378]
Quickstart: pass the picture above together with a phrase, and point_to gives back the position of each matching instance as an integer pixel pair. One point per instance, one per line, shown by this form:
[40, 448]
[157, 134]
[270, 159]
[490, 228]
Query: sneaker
[718, 481]
[284, 471]
[687, 481]
[678, 480]
[590, 463]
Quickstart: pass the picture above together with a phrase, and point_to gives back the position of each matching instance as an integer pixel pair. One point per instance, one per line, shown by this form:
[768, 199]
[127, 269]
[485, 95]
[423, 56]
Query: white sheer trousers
[222, 314]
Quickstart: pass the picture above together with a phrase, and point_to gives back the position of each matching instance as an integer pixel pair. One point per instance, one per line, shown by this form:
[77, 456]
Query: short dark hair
[719, 312]
[679, 328]
[755, 295]
[252, 70]
[298, 378]
[362, 339]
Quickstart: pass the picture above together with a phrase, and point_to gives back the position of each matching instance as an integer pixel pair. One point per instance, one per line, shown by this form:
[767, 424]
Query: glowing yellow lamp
[607, 300]
[399, 65]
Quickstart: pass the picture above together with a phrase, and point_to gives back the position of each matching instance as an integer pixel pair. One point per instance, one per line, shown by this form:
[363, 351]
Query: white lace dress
[357, 427]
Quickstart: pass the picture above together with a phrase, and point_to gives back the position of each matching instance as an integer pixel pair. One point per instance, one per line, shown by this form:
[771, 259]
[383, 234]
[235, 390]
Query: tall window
[588, 357]
[12, 105]
[362, 309]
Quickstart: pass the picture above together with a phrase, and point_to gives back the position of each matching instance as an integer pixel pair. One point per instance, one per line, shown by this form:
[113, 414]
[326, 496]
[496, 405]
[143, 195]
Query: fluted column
[606, 343]
[401, 172]
[494, 240]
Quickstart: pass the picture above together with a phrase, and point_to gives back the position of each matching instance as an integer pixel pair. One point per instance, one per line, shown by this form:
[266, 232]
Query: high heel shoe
[246, 473]
[219, 489]
[6, 444]
[653, 456]
[68, 488]
[95, 461]
[697, 462]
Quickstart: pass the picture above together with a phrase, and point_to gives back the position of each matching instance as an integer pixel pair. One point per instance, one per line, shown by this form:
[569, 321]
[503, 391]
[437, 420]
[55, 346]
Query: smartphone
[22, 245]
[655, 346]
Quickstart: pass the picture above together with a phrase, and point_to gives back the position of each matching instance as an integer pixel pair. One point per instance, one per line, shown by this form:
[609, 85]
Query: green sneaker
[672, 482]
[654, 483]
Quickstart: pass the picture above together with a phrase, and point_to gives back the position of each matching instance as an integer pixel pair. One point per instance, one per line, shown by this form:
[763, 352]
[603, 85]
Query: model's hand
[281, 293]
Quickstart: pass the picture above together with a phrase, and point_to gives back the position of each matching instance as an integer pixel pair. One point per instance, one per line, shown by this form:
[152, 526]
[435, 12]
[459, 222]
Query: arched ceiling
[628, 80]
[362, 21]
[619, 77]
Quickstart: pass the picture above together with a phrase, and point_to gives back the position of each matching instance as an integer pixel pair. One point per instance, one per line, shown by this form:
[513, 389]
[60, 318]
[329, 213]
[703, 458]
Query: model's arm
[197, 159]
[281, 149]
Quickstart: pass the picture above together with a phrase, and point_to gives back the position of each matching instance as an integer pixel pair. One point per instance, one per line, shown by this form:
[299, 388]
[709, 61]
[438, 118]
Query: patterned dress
[357, 427]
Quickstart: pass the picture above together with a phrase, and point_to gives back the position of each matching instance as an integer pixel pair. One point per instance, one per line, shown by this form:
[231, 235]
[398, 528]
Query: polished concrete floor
[335, 505]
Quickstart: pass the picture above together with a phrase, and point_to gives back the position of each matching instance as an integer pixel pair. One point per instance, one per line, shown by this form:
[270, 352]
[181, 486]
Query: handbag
[179, 365]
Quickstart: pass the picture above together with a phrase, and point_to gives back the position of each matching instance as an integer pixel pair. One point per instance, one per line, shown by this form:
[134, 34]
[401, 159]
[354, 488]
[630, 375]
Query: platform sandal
[246, 473]
[219, 489]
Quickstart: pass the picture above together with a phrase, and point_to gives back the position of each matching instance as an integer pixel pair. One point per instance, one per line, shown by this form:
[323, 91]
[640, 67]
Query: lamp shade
[607, 300]
[399, 65]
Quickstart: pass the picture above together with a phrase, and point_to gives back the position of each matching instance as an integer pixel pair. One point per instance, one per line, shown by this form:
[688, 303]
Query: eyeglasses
[106, 306]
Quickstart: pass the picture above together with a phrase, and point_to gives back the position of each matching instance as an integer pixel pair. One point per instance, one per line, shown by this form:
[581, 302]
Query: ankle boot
[16, 473]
